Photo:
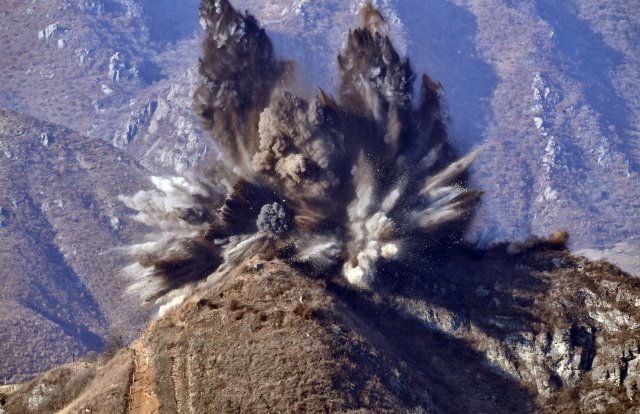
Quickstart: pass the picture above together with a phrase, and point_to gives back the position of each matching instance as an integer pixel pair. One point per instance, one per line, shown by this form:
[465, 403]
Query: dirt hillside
[534, 331]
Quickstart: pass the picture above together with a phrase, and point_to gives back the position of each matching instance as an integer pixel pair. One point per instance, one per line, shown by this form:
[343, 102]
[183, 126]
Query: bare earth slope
[536, 332]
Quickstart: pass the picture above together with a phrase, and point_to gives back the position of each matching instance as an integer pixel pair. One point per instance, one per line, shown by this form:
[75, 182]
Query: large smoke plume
[344, 185]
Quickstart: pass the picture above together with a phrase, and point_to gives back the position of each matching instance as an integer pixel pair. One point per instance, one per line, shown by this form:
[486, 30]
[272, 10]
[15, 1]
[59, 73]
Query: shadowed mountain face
[59, 220]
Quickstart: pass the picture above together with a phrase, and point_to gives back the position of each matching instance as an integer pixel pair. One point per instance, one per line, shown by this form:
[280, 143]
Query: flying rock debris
[350, 184]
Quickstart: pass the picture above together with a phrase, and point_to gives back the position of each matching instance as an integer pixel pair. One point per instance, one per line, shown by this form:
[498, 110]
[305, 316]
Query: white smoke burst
[346, 185]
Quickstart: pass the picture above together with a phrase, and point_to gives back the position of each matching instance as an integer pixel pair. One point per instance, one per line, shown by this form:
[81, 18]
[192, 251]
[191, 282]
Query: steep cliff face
[539, 331]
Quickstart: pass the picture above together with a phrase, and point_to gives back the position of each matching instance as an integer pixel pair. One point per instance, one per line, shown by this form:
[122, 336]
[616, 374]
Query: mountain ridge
[446, 340]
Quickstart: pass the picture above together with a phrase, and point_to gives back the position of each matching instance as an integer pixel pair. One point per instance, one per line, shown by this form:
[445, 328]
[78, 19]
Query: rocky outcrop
[120, 68]
[163, 133]
[135, 125]
[48, 32]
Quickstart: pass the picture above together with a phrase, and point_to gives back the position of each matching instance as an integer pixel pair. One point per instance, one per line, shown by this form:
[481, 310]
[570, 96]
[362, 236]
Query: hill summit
[538, 331]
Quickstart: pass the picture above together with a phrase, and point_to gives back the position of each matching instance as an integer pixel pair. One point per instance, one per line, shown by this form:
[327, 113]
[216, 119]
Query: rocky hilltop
[481, 331]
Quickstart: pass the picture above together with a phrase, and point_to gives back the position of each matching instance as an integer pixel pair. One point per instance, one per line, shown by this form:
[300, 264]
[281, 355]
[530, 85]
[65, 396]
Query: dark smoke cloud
[347, 184]
[238, 72]
[273, 220]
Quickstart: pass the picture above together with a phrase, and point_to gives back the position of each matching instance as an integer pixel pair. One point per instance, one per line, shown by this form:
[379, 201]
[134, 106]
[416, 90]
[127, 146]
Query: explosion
[344, 185]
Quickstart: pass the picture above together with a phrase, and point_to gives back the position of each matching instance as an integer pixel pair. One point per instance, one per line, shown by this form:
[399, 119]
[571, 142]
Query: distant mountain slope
[545, 87]
[88, 64]
[540, 331]
[559, 144]
[59, 218]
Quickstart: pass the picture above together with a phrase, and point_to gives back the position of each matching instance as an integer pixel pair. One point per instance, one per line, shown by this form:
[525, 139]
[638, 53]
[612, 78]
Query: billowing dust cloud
[347, 184]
